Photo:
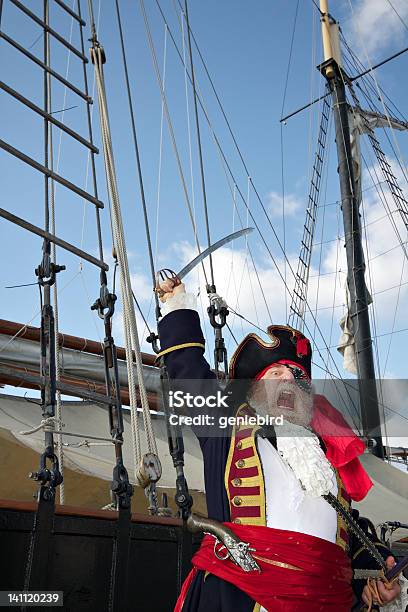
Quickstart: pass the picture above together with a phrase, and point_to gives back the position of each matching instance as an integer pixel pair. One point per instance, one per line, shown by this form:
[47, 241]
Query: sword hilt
[163, 275]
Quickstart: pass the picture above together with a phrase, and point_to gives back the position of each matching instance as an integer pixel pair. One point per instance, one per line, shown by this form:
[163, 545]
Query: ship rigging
[106, 376]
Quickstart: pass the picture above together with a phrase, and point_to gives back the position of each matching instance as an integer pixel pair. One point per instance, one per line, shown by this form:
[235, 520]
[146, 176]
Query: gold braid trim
[254, 461]
[177, 347]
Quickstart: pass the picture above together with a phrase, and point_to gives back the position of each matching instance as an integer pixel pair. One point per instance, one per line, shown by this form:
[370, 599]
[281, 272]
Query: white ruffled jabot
[305, 456]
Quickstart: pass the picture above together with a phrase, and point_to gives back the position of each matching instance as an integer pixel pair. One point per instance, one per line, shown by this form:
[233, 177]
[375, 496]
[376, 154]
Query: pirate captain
[271, 489]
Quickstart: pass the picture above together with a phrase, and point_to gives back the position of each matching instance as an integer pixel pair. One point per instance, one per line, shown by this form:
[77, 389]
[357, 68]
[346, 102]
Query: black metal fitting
[183, 498]
[105, 304]
[222, 313]
[152, 339]
[121, 486]
[47, 270]
[48, 477]
[220, 352]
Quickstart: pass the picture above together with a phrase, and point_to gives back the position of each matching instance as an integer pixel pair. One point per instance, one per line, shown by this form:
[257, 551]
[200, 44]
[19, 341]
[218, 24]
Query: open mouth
[286, 400]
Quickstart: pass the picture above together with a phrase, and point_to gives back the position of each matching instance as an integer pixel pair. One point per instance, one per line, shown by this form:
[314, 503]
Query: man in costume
[269, 489]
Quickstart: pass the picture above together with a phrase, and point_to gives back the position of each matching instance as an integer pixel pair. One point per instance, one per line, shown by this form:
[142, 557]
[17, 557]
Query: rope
[48, 423]
[129, 318]
[45, 424]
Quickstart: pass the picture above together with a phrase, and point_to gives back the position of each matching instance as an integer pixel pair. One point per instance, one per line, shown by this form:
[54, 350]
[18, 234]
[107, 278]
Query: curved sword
[194, 262]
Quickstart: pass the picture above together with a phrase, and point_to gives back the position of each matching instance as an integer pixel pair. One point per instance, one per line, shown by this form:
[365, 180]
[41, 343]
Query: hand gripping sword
[166, 274]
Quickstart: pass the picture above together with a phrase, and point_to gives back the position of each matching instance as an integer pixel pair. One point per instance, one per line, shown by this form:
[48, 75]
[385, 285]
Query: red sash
[298, 572]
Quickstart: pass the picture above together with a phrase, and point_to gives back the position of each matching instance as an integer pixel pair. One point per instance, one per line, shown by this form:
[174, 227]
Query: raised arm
[182, 347]
[181, 338]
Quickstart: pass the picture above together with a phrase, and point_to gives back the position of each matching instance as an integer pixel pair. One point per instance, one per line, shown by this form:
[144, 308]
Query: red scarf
[343, 447]
[318, 580]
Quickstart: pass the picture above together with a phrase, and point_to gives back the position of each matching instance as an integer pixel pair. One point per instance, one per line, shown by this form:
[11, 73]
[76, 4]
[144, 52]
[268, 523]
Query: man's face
[277, 393]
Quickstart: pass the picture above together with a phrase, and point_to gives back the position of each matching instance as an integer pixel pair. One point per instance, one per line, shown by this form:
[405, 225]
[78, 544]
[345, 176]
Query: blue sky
[246, 47]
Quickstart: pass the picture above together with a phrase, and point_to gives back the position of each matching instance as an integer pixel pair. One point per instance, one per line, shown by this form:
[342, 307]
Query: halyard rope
[129, 318]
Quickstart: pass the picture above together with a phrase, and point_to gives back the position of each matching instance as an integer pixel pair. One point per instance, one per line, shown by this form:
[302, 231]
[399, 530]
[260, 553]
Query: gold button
[239, 445]
[237, 521]
[241, 463]
[237, 501]
[237, 482]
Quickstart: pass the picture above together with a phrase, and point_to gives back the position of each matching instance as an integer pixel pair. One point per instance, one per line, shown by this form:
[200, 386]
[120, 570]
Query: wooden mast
[333, 71]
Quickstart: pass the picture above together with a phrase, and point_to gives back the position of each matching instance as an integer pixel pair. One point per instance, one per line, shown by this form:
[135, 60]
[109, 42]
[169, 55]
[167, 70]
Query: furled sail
[360, 122]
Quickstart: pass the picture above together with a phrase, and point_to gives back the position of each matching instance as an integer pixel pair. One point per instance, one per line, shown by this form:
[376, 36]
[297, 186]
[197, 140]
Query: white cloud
[375, 25]
[275, 204]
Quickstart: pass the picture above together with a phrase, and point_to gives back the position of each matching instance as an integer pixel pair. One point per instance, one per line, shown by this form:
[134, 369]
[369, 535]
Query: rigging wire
[399, 157]
[335, 278]
[160, 150]
[217, 142]
[394, 319]
[91, 154]
[171, 130]
[383, 199]
[233, 191]
[375, 327]
[225, 161]
[282, 147]
[190, 148]
[318, 7]
[190, 154]
[401, 244]
[398, 15]
[368, 79]
[59, 440]
[35, 315]
[348, 384]
[200, 152]
[138, 162]
[232, 334]
[198, 98]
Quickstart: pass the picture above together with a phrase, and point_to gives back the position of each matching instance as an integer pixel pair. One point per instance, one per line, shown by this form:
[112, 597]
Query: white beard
[265, 398]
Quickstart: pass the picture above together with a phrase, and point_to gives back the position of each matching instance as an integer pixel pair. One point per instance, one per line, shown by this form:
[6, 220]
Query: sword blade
[194, 262]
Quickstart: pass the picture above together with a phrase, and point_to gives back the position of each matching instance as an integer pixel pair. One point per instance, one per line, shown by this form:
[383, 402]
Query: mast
[336, 77]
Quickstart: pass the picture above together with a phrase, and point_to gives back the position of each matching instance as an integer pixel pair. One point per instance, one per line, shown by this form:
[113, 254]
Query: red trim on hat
[281, 362]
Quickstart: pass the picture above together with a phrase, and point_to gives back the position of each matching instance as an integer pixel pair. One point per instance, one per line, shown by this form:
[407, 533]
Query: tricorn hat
[254, 354]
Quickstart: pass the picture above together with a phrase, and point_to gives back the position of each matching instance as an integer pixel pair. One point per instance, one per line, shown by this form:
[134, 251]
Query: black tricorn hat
[254, 354]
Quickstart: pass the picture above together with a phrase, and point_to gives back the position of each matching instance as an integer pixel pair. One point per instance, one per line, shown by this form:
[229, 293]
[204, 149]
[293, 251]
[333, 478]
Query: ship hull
[81, 557]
